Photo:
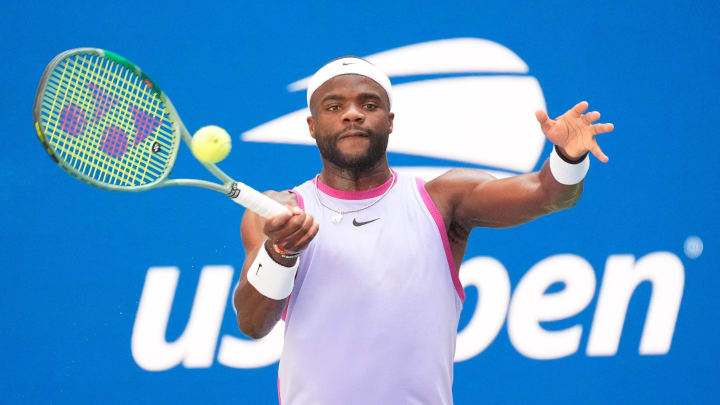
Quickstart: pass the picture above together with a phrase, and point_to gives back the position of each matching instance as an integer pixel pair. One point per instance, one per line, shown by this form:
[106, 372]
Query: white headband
[348, 66]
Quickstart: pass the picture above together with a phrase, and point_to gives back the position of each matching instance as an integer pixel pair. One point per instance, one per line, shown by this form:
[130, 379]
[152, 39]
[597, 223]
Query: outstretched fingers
[580, 108]
[592, 117]
[598, 153]
[545, 122]
[603, 128]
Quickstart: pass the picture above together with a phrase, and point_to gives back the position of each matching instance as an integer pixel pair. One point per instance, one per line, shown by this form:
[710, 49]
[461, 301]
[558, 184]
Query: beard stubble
[327, 145]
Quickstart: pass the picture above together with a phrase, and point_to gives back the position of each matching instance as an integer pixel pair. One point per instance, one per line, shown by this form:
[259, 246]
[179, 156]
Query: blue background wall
[75, 258]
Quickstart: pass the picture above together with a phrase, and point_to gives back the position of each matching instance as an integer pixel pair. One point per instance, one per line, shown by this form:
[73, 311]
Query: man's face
[351, 121]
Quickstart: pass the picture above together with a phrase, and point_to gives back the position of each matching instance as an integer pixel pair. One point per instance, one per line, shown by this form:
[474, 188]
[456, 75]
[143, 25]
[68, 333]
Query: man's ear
[391, 117]
[311, 126]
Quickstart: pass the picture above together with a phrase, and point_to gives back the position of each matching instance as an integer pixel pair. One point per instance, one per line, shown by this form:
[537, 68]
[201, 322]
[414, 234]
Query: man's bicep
[503, 202]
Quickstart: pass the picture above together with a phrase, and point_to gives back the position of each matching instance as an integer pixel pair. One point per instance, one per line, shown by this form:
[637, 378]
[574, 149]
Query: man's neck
[355, 180]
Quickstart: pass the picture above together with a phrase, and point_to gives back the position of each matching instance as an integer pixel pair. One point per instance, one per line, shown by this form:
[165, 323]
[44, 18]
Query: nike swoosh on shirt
[356, 223]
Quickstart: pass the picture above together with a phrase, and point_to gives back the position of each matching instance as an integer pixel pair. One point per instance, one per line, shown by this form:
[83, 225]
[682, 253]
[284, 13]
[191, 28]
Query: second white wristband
[568, 173]
[270, 278]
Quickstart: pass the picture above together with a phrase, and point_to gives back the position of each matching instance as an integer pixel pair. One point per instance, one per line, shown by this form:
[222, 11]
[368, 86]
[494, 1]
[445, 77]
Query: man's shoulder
[450, 188]
[456, 182]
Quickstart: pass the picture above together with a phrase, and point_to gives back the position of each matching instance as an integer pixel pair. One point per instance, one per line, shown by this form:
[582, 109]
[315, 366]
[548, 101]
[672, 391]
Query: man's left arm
[473, 198]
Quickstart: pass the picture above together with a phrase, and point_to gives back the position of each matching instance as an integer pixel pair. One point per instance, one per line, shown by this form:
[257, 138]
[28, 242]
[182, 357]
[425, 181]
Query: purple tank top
[373, 316]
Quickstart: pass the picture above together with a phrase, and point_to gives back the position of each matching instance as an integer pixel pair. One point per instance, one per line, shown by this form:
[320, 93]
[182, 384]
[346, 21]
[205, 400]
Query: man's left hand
[574, 132]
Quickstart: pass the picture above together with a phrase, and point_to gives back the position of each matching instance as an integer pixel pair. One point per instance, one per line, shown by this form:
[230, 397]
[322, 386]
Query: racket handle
[256, 201]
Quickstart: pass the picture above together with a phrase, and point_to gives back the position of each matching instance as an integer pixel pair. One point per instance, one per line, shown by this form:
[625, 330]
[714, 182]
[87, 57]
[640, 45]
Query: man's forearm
[260, 306]
[519, 199]
[256, 313]
[555, 195]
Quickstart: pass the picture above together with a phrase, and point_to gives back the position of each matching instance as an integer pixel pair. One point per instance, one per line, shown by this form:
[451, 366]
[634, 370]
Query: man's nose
[354, 114]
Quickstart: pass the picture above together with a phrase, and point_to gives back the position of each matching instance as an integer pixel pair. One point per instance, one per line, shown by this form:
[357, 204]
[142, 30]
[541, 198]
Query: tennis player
[365, 268]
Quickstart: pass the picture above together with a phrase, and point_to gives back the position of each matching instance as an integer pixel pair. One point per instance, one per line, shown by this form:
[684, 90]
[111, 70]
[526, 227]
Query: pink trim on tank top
[287, 305]
[435, 213]
[300, 201]
[356, 195]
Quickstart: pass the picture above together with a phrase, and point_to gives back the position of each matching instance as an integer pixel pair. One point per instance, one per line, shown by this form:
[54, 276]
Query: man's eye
[370, 106]
[333, 107]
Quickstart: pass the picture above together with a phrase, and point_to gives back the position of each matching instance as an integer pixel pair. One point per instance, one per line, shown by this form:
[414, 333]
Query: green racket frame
[239, 192]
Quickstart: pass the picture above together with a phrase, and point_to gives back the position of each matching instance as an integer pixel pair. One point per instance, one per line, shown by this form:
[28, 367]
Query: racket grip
[256, 201]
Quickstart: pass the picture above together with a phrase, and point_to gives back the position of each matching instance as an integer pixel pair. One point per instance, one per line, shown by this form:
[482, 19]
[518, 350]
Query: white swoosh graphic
[457, 55]
[483, 120]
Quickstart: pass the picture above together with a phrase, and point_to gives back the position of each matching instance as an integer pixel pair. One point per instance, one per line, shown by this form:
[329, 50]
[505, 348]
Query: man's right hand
[290, 231]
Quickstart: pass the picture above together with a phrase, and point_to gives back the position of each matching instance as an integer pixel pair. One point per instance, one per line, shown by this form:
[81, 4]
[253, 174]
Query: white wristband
[270, 278]
[568, 173]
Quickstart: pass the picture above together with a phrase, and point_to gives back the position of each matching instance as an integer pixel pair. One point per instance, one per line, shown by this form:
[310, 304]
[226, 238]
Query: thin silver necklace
[338, 217]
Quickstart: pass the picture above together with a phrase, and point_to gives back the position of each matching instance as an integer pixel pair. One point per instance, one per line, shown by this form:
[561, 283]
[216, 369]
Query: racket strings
[113, 134]
[66, 145]
[104, 122]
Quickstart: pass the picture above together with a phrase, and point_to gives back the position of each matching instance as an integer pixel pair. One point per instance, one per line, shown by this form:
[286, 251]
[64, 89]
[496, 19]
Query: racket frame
[237, 191]
[178, 128]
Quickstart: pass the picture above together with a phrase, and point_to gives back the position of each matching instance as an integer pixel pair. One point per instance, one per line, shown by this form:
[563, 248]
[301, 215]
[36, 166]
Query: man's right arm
[257, 314]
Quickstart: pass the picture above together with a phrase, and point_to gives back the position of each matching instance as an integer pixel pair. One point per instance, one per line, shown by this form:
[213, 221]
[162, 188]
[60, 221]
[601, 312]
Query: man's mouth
[353, 132]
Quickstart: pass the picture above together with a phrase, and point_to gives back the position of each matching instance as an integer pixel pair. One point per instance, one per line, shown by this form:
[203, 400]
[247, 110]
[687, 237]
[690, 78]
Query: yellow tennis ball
[211, 144]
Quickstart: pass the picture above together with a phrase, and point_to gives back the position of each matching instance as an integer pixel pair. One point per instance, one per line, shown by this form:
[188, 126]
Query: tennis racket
[104, 121]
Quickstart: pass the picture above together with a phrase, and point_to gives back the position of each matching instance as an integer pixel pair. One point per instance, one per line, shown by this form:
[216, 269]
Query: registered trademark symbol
[693, 247]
